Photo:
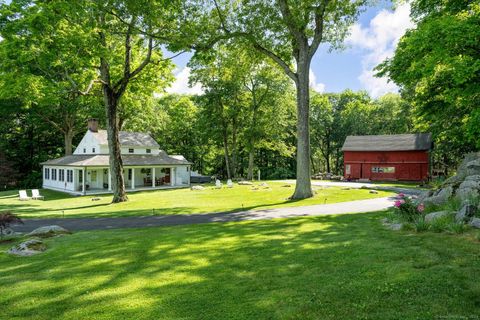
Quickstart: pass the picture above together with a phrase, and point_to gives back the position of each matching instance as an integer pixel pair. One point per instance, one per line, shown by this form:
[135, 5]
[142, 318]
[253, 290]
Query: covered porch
[97, 180]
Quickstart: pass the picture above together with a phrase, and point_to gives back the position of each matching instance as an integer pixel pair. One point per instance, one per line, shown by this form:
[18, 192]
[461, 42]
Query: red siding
[408, 165]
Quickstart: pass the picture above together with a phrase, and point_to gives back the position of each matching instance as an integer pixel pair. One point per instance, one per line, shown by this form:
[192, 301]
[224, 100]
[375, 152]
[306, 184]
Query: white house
[87, 170]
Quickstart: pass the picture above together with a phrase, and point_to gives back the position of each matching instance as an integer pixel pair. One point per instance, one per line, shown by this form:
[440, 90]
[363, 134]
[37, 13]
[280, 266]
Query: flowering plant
[406, 209]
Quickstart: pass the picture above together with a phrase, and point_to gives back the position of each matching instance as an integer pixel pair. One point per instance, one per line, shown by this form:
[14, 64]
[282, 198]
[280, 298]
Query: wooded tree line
[63, 62]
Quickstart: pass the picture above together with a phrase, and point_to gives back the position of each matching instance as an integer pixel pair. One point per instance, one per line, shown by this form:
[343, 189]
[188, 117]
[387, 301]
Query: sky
[372, 39]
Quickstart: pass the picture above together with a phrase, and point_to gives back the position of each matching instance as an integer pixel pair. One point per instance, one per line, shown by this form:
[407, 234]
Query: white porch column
[133, 178]
[153, 177]
[84, 171]
[109, 180]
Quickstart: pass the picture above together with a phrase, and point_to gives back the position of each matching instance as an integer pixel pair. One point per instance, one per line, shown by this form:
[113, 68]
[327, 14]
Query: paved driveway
[180, 219]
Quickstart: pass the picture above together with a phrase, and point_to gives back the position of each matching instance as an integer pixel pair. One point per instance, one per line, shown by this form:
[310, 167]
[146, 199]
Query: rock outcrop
[48, 231]
[28, 248]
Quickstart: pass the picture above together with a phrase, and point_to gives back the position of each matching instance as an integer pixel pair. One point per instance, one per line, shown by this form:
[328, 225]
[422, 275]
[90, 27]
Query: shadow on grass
[328, 267]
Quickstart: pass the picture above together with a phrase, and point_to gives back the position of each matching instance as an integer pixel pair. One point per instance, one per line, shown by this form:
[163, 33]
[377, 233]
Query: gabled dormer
[95, 141]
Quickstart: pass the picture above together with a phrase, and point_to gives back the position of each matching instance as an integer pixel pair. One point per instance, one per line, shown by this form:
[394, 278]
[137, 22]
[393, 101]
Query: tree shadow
[326, 267]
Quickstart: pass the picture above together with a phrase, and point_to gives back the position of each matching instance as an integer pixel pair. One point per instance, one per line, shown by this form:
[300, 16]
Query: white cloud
[180, 85]
[378, 42]
[319, 87]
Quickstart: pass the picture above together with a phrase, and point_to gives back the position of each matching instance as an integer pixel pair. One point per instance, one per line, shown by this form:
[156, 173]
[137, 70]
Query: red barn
[387, 157]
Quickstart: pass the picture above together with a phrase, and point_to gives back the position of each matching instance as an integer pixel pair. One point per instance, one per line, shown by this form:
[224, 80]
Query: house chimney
[93, 125]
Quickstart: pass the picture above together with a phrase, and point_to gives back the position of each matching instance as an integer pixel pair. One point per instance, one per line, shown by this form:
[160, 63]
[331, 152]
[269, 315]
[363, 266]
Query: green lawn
[178, 201]
[326, 267]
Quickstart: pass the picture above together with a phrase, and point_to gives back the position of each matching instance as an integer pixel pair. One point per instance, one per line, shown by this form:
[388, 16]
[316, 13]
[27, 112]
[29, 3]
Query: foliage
[6, 219]
[407, 210]
[437, 66]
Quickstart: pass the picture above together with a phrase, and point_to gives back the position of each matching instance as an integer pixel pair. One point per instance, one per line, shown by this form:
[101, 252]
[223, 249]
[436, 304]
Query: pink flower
[401, 195]
[397, 203]
[420, 207]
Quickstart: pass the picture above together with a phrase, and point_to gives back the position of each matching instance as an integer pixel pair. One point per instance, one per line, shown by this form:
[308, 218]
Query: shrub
[408, 211]
[6, 219]
[457, 227]
[441, 224]
[420, 225]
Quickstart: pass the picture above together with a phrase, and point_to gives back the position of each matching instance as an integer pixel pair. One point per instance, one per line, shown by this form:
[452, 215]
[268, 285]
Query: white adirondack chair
[23, 195]
[218, 184]
[229, 183]
[36, 194]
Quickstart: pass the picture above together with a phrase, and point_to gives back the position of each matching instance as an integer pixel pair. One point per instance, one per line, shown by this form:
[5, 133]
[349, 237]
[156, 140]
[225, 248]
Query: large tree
[46, 65]
[290, 32]
[437, 66]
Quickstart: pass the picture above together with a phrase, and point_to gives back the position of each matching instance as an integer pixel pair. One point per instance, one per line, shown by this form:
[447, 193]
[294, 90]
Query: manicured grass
[326, 267]
[178, 201]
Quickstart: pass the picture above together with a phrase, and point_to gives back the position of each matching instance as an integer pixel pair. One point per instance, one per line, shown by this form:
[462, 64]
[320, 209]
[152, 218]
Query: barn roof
[102, 160]
[134, 139]
[394, 142]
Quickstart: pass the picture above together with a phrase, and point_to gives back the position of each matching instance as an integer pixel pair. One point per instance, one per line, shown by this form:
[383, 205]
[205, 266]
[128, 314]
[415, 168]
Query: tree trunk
[68, 138]
[225, 150]
[250, 164]
[116, 163]
[327, 162]
[303, 187]
[234, 149]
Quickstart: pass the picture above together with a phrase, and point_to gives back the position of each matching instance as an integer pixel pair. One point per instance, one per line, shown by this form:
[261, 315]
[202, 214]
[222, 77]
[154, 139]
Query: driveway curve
[76, 224]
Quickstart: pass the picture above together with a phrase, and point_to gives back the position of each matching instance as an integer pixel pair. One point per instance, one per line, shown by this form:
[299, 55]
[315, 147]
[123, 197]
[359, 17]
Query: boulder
[466, 213]
[197, 188]
[245, 183]
[440, 197]
[48, 231]
[263, 184]
[429, 218]
[373, 191]
[473, 167]
[28, 248]
[475, 223]
[395, 226]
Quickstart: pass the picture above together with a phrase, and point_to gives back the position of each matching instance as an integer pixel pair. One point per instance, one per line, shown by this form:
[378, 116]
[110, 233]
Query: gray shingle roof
[394, 142]
[102, 160]
[135, 139]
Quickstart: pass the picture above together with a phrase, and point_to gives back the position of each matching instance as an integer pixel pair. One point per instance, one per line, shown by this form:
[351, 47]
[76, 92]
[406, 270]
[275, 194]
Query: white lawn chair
[36, 194]
[23, 195]
[229, 183]
[218, 184]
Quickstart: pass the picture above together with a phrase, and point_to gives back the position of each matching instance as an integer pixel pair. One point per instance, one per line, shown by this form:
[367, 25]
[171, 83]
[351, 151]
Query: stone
[28, 248]
[475, 223]
[48, 231]
[263, 184]
[197, 188]
[440, 197]
[466, 213]
[245, 183]
[466, 193]
[435, 215]
[395, 226]
[373, 191]
[473, 167]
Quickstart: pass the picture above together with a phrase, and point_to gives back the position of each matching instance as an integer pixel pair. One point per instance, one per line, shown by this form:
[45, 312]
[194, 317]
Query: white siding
[56, 183]
[89, 144]
[182, 175]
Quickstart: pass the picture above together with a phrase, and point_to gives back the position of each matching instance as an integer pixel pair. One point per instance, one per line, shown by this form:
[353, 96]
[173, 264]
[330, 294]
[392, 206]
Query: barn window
[347, 169]
[47, 173]
[54, 174]
[61, 175]
[130, 150]
[129, 174]
[383, 169]
[149, 150]
[93, 150]
[84, 150]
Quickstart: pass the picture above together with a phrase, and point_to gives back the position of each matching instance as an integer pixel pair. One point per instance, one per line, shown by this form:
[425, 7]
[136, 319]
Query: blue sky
[373, 38]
